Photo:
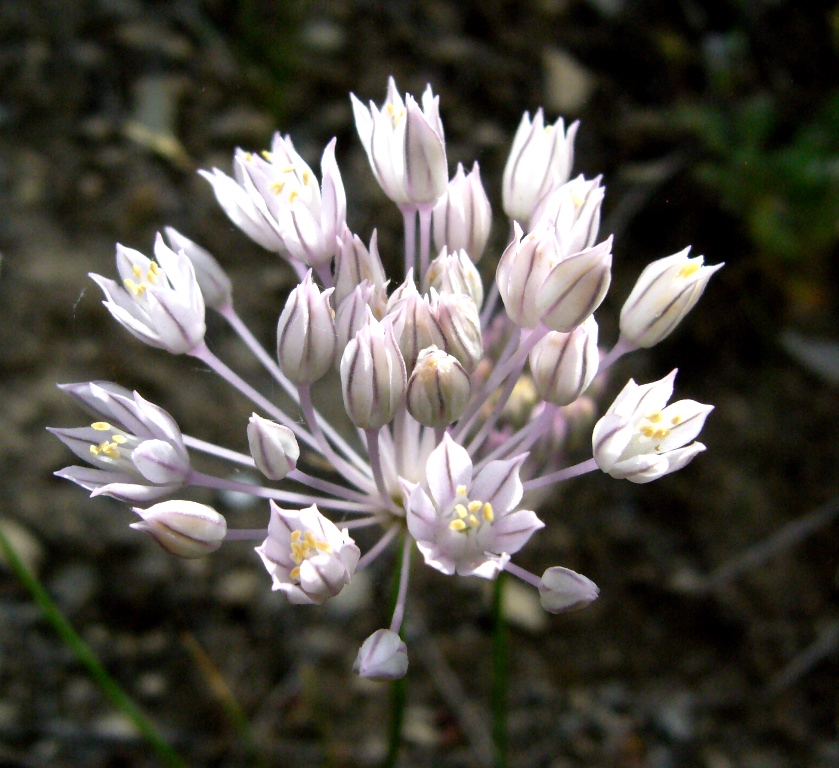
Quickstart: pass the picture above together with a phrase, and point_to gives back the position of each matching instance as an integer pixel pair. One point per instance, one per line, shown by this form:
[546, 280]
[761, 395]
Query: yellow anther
[676, 420]
[460, 511]
[101, 426]
[577, 200]
[323, 546]
[307, 178]
[691, 268]
[548, 128]
[474, 506]
[647, 431]
[293, 195]
[289, 168]
[248, 156]
[294, 573]
[277, 187]
[489, 515]
[310, 538]
[154, 268]
[119, 439]
[137, 271]
[461, 490]
[267, 155]
[109, 449]
[660, 433]
[138, 289]
[457, 525]
[654, 417]
[94, 450]
[389, 108]
[473, 521]
[295, 536]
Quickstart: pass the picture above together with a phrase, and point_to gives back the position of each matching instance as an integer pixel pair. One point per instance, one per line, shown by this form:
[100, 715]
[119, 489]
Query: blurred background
[715, 124]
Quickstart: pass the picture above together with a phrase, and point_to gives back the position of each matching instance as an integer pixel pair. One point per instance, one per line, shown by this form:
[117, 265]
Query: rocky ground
[108, 107]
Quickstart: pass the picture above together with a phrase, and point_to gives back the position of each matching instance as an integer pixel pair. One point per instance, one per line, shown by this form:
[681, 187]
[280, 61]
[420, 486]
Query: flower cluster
[462, 396]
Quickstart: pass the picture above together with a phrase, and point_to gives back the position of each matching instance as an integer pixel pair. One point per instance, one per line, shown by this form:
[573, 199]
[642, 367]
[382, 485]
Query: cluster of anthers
[462, 403]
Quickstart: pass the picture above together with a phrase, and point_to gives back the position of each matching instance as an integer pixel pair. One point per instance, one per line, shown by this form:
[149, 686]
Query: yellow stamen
[288, 168]
[293, 195]
[461, 490]
[267, 155]
[294, 573]
[310, 538]
[154, 268]
[647, 431]
[137, 271]
[94, 450]
[676, 420]
[691, 268]
[323, 546]
[101, 426]
[277, 187]
[654, 417]
[138, 289]
[307, 178]
[577, 200]
[119, 439]
[457, 525]
[295, 536]
[474, 506]
[248, 156]
[473, 521]
[660, 433]
[489, 515]
[460, 511]
[109, 449]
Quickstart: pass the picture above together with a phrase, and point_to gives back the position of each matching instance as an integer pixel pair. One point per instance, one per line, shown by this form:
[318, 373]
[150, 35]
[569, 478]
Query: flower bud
[523, 267]
[406, 288]
[564, 364]
[382, 656]
[574, 288]
[540, 161]
[183, 528]
[354, 264]
[373, 377]
[461, 326]
[463, 217]
[306, 333]
[213, 281]
[352, 314]
[564, 590]
[309, 558]
[573, 212]
[415, 326]
[161, 462]
[665, 292]
[273, 447]
[438, 390]
[455, 273]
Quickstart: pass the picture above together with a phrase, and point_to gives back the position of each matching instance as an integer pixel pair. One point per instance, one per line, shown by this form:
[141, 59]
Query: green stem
[399, 688]
[88, 659]
[499, 673]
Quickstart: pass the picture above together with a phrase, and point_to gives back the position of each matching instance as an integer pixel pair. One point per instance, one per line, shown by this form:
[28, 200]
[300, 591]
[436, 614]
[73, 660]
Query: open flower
[309, 558]
[135, 447]
[468, 525]
[405, 146]
[639, 439]
[159, 301]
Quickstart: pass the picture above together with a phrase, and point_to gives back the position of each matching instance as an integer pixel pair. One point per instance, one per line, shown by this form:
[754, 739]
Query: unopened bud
[356, 263]
[574, 288]
[461, 326]
[352, 314]
[463, 217]
[161, 461]
[382, 656]
[183, 528]
[455, 273]
[415, 326]
[306, 333]
[573, 211]
[213, 281]
[665, 292]
[564, 364]
[373, 377]
[274, 447]
[523, 267]
[406, 288]
[564, 590]
[438, 390]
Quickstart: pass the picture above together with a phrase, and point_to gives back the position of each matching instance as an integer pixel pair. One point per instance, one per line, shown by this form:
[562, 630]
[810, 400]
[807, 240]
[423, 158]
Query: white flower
[455, 273]
[463, 216]
[135, 447]
[213, 281]
[465, 525]
[382, 656]
[665, 292]
[356, 263]
[309, 558]
[160, 303]
[573, 211]
[639, 439]
[405, 146]
[564, 364]
[183, 528]
[540, 161]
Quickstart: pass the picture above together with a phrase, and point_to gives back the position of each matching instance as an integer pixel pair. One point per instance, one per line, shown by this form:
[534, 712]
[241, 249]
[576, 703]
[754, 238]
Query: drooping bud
[438, 390]
[306, 333]
[415, 326]
[463, 216]
[213, 281]
[455, 273]
[523, 267]
[183, 528]
[540, 161]
[574, 288]
[356, 263]
[564, 364]
[309, 558]
[461, 326]
[565, 590]
[382, 656]
[573, 211]
[665, 292]
[273, 447]
[373, 377]
[352, 314]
